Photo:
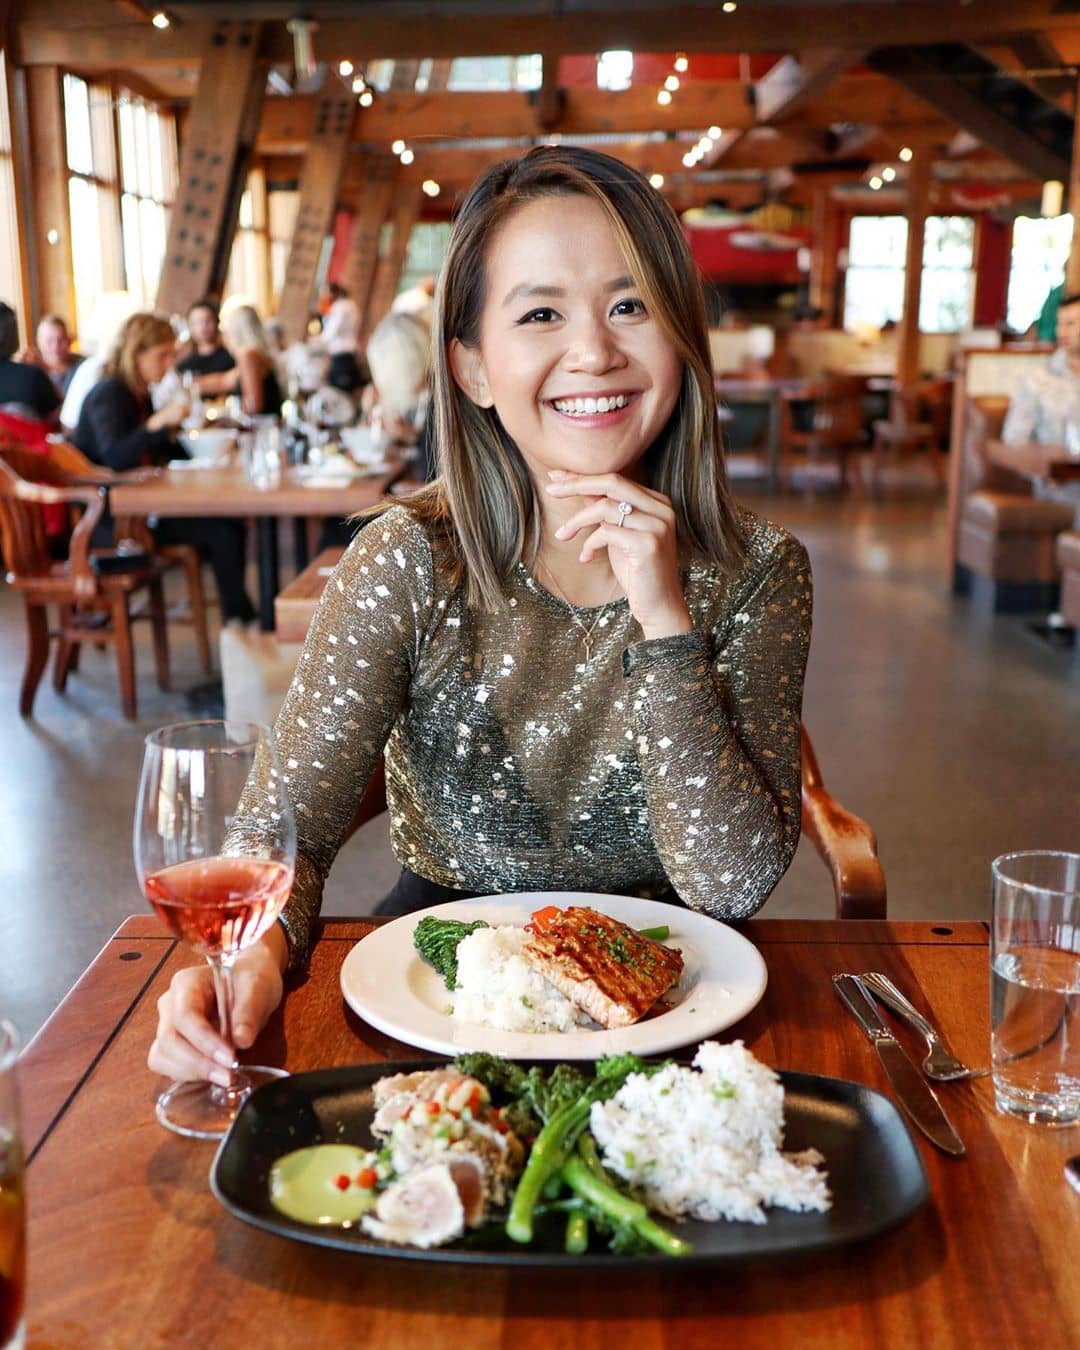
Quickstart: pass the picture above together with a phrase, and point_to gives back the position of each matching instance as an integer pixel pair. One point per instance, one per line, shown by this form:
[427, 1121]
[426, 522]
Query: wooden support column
[216, 153]
[823, 269]
[403, 216]
[376, 195]
[918, 202]
[44, 161]
[319, 186]
[1072, 267]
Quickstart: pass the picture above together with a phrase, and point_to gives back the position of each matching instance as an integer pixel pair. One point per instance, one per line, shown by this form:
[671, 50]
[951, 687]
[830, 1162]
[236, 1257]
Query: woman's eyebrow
[624, 283]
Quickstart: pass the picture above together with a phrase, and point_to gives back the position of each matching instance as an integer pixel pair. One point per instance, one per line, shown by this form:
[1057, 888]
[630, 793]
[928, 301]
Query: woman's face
[582, 377]
[155, 362]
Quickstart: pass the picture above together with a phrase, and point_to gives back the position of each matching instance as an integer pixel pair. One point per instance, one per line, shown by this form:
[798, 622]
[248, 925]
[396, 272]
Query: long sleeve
[112, 431]
[350, 684]
[1022, 419]
[717, 717]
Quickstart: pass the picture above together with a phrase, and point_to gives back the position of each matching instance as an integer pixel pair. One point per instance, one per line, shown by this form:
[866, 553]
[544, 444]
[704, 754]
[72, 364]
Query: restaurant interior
[879, 196]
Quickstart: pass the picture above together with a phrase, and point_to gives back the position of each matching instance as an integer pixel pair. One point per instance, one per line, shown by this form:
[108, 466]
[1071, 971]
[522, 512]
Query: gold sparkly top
[512, 764]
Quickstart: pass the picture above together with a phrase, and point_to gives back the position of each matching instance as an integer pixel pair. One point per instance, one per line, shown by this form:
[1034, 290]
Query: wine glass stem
[221, 969]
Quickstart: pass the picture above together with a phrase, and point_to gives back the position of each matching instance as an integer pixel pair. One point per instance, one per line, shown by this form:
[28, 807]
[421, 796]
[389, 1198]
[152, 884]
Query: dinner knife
[914, 1093]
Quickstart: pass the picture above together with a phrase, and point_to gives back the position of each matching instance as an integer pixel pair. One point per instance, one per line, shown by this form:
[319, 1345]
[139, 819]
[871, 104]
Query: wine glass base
[206, 1111]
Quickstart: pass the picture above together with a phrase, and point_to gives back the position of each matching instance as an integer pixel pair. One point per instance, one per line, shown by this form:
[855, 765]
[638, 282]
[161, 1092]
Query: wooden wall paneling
[375, 199]
[320, 182]
[203, 220]
[1072, 267]
[403, 216]
[52, 280]
[918, 204]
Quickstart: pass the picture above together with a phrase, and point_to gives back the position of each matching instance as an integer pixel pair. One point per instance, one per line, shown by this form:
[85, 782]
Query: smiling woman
[583, 661]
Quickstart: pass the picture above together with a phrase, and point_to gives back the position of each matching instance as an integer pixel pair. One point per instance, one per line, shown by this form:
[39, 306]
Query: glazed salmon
[603, 966]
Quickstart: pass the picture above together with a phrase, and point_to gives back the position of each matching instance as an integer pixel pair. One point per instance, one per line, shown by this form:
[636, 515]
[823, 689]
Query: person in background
[341, 328]
[399, 355]
[1044, 329]
[25, 389]
[208, 355]
[52, 352]
[254, 374]
[1047, 399]
[119, 428]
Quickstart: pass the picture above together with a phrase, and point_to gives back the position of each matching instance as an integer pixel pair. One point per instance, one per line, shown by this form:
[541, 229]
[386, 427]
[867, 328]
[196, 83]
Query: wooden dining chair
[835, 431]
[91, 588]
[846, 844]
[183, 557]
[915, 428]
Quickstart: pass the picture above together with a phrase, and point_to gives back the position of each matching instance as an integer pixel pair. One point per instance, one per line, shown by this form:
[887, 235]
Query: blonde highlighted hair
[139, 334]
[483, 505]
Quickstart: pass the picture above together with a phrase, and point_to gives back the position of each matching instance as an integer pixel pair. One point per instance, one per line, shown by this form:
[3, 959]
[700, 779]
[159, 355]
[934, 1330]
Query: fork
[940, 1063]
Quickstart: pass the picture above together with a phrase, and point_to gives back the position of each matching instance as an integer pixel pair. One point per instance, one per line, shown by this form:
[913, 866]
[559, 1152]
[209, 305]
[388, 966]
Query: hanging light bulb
[681, 64]
[888, 173]
[407, 156]
[367, 98]
[875, 183]
[705, 144]
[398, 146]
[345, 69]
[664, 97]
[161, 20]
[906, 154]
[672, 83]
[715, 133]
[656, 179]
[302, 31]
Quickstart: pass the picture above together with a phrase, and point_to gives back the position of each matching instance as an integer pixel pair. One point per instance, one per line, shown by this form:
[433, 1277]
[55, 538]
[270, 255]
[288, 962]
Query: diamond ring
[624, 510]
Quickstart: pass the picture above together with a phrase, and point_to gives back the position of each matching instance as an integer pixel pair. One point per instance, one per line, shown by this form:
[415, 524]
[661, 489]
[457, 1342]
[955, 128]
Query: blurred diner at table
[119, 428]
[205, 353]
[254, 373]
[1046, 400]
[25, 389]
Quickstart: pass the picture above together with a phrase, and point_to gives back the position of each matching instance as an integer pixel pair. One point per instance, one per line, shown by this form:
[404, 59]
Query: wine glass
[215, 852]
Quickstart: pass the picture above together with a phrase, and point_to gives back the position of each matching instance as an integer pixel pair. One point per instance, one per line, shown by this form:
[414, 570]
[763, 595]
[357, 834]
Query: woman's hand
[643, 550]
[187, 1045]
[171, 415]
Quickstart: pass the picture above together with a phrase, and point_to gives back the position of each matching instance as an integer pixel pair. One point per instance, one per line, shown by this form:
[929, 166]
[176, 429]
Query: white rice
[498, 988]
[707, 1144]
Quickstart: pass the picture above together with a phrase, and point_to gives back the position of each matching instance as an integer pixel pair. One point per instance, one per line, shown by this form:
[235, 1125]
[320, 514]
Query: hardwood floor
[955, 734]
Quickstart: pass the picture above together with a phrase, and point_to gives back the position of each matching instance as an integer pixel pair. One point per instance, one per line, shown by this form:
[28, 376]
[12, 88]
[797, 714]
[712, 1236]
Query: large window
[1040, 250]
[10, 273]
[874, 284]
[249, 261]
[148, 172]
[92, 198]
[282, 209]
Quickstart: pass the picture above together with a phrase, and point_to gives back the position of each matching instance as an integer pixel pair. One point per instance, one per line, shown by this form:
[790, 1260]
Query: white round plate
[387, 983]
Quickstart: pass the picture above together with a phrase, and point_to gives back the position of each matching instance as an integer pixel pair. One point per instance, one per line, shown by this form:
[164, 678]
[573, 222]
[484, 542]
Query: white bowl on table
[209, 444]
[364, 445]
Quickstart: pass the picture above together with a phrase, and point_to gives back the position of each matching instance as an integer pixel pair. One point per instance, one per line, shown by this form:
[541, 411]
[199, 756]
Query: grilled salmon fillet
[602, 966]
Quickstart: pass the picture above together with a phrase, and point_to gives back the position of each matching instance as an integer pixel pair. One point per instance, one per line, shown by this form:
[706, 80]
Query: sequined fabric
[512, 764]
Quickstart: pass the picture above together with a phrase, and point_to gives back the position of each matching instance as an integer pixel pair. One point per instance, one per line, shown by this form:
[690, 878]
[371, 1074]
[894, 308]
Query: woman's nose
[593, 347]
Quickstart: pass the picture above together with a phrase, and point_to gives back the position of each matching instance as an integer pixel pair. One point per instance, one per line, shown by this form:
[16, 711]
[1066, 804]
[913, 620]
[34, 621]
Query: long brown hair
[139, 334]
[483, 504]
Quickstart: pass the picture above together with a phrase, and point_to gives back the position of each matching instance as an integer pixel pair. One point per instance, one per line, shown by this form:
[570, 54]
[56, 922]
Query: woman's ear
[467, 366]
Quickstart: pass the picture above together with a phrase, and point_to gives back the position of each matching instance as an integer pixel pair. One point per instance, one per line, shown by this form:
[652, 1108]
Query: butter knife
[912, 1090]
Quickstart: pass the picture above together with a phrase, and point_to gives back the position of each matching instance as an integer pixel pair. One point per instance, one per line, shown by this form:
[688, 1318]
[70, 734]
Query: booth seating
[1005, 537]
[1068, 556]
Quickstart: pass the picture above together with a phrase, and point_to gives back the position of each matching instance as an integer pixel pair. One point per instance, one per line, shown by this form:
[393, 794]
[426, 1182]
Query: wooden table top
[1033, 460]
[295, 605]
[227, 492]
[129, 1249]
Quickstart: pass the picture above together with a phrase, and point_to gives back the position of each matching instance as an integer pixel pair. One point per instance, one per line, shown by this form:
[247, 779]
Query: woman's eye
[634, 306]
[543, 315]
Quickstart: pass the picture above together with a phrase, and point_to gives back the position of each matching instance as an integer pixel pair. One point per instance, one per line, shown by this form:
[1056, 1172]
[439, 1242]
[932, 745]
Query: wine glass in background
[216, 882]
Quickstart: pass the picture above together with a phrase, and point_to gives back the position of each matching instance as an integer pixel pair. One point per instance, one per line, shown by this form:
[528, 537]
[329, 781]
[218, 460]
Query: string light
[345, 69]
[367, 98]
[398, 147]
[430, 186]
[715, 133]
[656, 179]
[681, 64]
[689, 159]
[875, 183]
[705, 144]
[664, 97]
[359, 85]
[729, 7]
[907, 154]
[161, 20]
[672, 83]
[407, 156]
[888, 174]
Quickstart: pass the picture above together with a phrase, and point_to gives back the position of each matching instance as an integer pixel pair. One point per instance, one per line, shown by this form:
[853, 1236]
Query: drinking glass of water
[12, 1200]
[1035, 986]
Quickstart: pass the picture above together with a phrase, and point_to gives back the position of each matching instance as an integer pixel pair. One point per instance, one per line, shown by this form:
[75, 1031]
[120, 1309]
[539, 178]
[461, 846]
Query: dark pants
[222, 544]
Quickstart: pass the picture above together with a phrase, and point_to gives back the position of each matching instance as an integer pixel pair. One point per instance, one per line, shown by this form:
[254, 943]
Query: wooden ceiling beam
[866, 99]
[53, 31]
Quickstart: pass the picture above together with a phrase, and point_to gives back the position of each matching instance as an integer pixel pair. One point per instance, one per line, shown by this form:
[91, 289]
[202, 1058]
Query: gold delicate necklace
[586, 633]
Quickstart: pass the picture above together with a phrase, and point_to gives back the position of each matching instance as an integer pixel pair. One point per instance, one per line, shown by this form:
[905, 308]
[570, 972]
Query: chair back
[838, 410]
[29, 484]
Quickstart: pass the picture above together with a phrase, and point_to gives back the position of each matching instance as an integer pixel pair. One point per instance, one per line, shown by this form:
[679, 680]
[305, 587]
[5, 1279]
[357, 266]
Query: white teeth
[586, 407]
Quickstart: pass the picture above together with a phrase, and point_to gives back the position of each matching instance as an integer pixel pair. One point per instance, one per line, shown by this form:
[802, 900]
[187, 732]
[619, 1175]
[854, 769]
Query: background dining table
[1034, 461]
[129, 1248]
[227, 491]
